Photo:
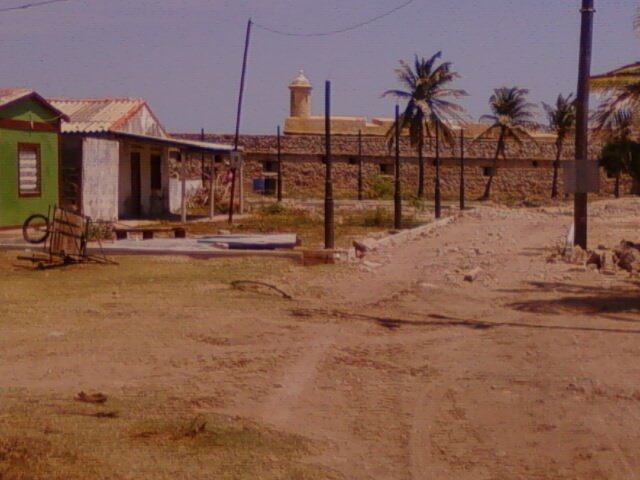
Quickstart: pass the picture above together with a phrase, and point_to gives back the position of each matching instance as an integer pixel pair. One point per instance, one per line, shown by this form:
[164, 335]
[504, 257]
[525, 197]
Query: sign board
[582, 176]
[236, 159]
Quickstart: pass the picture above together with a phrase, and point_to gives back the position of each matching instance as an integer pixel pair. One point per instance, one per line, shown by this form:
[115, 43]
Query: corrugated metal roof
[180, 142]
[109, 115]
[96, 115]
[9, 95]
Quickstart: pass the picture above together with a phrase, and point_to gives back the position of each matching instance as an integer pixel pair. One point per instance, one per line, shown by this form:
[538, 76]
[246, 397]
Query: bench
[148, 232]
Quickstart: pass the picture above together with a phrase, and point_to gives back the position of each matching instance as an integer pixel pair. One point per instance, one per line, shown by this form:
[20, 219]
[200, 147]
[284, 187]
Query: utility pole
[438, 201]
[238, 113]
[397, 197]
[279, 186]
[328, 185]
[359, 164]
[212, 178]
[582, 119]
[461, 168]
[183, 185]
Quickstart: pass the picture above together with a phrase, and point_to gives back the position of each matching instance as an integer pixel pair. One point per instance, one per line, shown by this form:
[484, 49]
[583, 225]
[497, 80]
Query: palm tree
[622, 86]
[562, 119]
[511, 114]
[427, 94]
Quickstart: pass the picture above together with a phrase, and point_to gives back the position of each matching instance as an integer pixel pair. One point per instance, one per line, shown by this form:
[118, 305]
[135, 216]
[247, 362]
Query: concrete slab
[162, 246]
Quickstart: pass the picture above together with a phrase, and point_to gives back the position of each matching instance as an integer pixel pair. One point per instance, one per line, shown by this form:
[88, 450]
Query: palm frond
[396, 93]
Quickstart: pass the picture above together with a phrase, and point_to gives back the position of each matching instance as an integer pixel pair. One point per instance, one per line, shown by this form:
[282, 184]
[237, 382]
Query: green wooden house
[29, 155]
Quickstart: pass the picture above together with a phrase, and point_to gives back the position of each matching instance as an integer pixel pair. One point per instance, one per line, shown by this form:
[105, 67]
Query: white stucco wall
[100, 178]
[175, 193]
[144, 123]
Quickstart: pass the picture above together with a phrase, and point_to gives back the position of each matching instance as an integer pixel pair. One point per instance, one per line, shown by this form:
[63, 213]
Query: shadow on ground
[606, 302]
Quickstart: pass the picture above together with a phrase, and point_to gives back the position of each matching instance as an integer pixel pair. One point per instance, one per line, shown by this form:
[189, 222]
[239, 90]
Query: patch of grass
[117, 316]
[306, 224]
[24, 458]
[163, 288]
[380, 217]
[153, 437]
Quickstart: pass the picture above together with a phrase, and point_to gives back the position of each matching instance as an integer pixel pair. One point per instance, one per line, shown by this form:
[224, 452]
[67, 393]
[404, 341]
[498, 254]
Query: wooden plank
[68, 231]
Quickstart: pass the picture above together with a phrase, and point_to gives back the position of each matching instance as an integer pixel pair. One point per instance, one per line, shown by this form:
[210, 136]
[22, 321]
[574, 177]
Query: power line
[30, 5]
[341, 30]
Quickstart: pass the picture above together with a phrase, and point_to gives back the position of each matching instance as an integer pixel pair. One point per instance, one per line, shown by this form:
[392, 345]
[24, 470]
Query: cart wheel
[35, 229]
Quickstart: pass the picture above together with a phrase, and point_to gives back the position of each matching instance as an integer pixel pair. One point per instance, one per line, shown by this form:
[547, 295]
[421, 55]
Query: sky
[185, 56]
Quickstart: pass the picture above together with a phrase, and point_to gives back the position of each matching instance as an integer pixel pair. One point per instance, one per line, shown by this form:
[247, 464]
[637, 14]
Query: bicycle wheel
[35, 229]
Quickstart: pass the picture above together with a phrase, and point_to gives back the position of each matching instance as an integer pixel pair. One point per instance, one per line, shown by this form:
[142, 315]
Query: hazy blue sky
[184, 56]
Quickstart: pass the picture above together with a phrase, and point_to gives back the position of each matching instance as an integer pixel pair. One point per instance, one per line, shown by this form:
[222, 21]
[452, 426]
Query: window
[29, 181]
[270, 186]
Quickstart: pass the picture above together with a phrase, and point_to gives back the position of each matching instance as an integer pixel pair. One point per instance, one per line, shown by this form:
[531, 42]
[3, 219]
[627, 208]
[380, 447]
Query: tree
[562, 120]
[613, 158]
[427, 92]
[617, 129]
[511, 115]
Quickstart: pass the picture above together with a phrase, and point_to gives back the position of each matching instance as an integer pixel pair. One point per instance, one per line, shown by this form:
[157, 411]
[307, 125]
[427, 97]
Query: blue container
[258, 185]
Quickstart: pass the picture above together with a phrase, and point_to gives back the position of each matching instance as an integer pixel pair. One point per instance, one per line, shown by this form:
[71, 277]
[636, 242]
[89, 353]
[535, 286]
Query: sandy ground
[397, 367]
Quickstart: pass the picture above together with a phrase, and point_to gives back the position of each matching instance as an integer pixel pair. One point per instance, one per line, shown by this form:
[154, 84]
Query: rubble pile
[627, 256]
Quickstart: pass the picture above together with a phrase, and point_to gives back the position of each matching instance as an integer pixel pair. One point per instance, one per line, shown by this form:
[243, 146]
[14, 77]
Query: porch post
[212, 188]
[241, 189]
[183, 192]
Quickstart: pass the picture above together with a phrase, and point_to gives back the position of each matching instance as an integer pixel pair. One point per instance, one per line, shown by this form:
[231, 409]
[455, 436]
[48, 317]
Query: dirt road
[407, 371]
[395, 367]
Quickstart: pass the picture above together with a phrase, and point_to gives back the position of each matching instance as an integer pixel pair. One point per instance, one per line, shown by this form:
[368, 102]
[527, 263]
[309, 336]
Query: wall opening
[387, 169]
[487, 171]
[270, 166]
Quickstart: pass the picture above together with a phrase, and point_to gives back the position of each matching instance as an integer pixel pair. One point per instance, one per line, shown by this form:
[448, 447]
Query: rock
[363, 246]
[371, 264]
[576, 255]
[473, 274]
[595, 259]
[627, 256]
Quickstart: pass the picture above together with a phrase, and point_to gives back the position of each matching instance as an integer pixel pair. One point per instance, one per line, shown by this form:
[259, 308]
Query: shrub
[379, 187]
[380, 217]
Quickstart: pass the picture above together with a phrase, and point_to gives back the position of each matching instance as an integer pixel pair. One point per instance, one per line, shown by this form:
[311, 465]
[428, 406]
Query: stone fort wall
[526, 174]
